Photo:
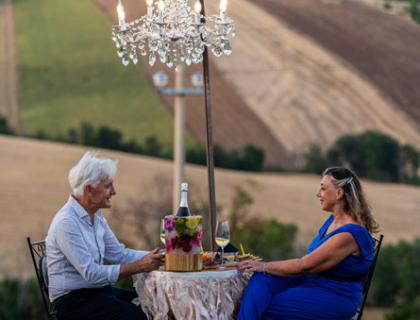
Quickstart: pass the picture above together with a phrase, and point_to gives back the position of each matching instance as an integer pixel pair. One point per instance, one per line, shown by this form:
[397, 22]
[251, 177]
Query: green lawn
[70, 73]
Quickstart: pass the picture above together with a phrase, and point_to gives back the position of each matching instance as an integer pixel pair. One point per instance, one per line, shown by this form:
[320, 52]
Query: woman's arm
[326, 256]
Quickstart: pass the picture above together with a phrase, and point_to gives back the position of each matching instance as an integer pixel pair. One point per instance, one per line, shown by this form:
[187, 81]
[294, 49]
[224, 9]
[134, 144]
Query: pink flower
[197, 238]
[169, 224]
[168, 247]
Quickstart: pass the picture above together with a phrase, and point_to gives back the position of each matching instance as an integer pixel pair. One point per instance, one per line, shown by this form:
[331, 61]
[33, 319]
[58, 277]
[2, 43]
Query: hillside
[234, 123]
[9, 107]
[382, 47]
[307, 72]
[304, 89]
[302, 72]
[34, 186]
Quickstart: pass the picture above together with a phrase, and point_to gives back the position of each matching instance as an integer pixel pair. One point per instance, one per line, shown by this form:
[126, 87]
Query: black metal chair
[368, 280]
[39, 259]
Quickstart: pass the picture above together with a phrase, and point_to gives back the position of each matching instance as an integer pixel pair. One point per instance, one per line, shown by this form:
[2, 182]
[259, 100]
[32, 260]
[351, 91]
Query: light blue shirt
[81, 254]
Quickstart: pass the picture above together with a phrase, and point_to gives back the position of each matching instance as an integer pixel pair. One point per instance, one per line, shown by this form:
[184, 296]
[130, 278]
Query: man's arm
[115, 251]
[132, 261]
[150, 262]
[73, 246]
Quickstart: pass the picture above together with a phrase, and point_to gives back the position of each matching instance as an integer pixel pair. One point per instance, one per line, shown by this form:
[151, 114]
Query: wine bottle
[183, 210]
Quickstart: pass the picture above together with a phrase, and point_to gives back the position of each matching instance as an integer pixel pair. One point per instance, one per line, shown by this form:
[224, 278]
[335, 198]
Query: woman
[326, 283]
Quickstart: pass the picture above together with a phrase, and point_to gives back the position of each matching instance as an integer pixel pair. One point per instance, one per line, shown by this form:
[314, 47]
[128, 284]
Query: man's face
[101, 194]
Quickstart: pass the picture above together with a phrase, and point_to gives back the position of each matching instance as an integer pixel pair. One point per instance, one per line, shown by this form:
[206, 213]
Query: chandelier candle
[197, 9]
[173, 33]
[222, 7]
[121, 16]
[149, 7]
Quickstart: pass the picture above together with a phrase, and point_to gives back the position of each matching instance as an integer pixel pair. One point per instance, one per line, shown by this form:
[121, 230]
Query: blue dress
[334, 295]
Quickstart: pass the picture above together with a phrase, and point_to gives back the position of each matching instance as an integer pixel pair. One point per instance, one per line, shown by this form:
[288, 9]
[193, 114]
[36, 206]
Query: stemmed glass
[222, 237]
[162, 231]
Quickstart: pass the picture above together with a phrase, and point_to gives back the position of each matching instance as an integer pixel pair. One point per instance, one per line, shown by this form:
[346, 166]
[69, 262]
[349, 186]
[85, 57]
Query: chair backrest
[368, 280]
[39, 260]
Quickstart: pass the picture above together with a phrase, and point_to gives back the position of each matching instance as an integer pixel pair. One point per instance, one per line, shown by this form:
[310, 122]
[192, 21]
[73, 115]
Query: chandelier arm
[210, 153]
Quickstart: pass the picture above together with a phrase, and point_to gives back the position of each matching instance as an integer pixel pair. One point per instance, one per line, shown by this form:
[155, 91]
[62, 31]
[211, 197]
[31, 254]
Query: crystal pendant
[169, 62]
[152, 58]
[125, 61]
[121, 52]
[162, 58]
[153, 45]
[173, 35]
[217, 51]
[227, 47]
[135, 60]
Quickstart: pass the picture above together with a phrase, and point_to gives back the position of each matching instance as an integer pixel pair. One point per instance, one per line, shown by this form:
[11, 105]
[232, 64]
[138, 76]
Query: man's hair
[90, 170]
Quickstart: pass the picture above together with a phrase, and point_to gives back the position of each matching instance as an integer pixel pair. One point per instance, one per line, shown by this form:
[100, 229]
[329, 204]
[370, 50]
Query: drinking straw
[242, 249]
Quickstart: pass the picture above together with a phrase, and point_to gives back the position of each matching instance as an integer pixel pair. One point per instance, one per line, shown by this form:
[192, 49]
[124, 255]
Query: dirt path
[9, 106]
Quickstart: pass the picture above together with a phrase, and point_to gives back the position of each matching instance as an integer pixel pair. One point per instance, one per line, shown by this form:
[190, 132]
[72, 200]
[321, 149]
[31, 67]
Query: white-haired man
[83, 255]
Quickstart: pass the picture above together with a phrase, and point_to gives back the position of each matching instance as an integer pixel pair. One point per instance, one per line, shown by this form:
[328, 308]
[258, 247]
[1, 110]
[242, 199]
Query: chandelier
[173, 32]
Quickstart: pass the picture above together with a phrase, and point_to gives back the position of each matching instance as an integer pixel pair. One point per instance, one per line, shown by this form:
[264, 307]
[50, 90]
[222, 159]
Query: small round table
[190, 295]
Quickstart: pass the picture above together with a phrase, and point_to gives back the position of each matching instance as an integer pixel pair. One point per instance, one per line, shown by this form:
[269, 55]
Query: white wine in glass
[162, 231]
[222, 237]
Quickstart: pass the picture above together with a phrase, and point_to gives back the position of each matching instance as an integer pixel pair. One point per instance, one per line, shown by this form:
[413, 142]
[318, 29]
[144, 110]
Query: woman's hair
[354, 198]
[90, 170]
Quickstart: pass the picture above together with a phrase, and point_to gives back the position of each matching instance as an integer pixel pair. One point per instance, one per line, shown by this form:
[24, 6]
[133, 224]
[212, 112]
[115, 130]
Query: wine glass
[162, 231]
[222, 237]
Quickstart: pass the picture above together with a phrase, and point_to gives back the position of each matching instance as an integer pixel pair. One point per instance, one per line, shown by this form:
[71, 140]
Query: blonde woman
[327, 282]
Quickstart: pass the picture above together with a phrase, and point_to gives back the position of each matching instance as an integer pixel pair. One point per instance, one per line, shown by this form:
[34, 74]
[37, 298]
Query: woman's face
[328, 194]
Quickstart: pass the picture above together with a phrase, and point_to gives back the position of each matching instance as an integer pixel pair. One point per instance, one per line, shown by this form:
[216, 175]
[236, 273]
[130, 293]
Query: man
[83, 255]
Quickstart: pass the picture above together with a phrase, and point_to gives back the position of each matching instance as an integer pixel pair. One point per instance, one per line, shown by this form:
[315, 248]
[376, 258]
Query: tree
[402, 262]
[315, 160]
[371, 154]
[251, 158]
[4, 127]
[414, 10]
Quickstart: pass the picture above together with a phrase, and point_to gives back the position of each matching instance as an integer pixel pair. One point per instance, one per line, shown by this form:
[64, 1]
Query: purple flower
[169, 224]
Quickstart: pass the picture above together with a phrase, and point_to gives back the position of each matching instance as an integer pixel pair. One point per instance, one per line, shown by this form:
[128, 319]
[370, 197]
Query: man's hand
[150, 262]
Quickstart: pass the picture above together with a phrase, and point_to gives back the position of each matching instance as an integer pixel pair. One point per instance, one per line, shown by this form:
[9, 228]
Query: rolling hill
[302, 72]
[308, 72]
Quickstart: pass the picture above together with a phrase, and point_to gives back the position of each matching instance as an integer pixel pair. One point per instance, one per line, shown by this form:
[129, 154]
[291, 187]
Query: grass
[69, 73]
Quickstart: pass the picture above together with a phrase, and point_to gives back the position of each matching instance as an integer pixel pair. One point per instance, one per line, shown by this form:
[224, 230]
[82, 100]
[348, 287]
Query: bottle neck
[184, 199]
[183, 210]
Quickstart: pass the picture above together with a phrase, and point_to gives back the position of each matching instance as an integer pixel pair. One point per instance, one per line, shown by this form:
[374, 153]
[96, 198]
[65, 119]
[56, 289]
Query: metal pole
[179, 148]
[209, 130]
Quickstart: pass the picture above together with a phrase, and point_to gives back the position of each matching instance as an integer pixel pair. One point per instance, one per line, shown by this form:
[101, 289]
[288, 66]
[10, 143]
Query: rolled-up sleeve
[70, 240]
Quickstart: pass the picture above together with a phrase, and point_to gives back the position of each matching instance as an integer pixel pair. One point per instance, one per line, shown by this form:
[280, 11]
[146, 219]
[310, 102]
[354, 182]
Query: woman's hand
[253, 266]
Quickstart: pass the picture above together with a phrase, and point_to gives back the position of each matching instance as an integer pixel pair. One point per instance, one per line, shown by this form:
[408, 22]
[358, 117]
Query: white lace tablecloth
[190, 295]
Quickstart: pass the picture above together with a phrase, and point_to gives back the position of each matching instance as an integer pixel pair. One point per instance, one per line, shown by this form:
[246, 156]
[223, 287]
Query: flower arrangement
[183, 234]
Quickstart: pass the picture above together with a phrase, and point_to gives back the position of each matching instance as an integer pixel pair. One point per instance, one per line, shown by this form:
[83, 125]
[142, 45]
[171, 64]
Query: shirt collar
[80, 211]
